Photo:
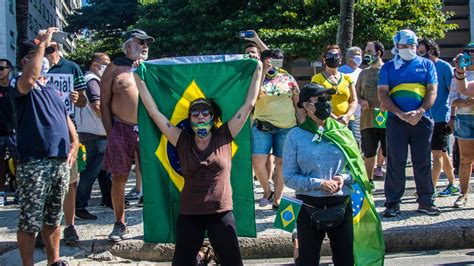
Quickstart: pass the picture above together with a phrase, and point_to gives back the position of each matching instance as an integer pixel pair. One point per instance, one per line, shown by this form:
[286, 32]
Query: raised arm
[32, 69]
[261, 45]
[464, 87]
[169, 130]
[235, 124]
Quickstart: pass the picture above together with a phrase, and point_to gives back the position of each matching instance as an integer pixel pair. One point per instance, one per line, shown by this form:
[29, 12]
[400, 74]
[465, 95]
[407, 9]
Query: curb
[396, 240]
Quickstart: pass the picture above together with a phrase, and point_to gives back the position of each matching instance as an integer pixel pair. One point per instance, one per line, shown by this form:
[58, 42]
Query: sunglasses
[3, 68]
[333, 55]
[321, 99]
[49, 50]
[204, 112]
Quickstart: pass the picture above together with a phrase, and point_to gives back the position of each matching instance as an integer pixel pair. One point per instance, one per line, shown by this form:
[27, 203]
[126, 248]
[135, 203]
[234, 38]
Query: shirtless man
[119, 105]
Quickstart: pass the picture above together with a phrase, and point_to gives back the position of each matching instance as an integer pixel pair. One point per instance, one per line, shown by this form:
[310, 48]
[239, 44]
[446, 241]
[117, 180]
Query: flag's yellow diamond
[287, 215]
[380, 118]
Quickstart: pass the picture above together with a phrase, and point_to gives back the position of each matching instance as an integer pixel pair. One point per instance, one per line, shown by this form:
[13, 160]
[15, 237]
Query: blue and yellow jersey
[407, 85]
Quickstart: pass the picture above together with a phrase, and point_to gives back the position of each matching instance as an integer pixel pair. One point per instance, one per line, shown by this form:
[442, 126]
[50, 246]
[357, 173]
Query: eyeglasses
[205, 113]
[3, 68]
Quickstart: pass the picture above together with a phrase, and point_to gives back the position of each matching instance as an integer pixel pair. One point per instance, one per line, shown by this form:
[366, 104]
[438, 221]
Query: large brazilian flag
[174, 83]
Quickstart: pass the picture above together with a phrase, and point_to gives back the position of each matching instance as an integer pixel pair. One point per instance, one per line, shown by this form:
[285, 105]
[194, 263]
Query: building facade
[41, 15]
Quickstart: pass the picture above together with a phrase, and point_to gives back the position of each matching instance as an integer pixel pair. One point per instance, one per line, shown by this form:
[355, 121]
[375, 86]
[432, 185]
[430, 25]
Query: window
[30, 22]
[11, 6]
[12, 40]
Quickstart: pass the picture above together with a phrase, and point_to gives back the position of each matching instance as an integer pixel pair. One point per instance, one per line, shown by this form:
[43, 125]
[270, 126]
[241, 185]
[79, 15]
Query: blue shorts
[263, 142]
[464, 127]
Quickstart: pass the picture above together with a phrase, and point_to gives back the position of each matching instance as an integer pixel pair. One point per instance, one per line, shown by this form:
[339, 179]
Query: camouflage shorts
[42, 187]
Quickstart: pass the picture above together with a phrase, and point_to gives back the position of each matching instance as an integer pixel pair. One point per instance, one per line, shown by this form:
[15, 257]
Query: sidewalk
[411, 231]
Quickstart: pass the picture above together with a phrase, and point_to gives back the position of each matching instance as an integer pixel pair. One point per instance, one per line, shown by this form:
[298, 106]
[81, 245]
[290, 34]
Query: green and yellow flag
[287, 213]
[380, 118]
[174, 83]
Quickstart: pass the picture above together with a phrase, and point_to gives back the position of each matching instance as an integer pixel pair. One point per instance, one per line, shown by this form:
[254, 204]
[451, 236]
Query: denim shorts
[464, 127]
[263, 142]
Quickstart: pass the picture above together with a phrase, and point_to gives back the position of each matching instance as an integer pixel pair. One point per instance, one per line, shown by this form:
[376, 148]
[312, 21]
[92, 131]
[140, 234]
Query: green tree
[85, 48]
[300, 28]
[106, 18]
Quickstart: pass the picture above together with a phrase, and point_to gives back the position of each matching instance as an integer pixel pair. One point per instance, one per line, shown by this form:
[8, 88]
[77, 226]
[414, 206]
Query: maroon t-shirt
[206, 173]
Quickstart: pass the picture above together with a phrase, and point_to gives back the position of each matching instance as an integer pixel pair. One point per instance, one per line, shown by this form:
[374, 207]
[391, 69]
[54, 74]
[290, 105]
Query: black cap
[313, 90]
[27, 47]
[139, 34]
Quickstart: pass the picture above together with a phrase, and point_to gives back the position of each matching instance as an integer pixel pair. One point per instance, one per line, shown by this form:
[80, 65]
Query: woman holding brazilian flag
[322, 163]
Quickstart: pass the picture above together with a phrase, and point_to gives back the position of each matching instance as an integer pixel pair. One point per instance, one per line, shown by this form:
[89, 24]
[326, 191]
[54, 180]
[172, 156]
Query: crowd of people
[415, 100]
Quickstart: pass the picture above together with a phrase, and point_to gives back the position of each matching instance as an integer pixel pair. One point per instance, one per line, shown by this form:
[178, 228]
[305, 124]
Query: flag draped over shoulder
[174, 83]
[369, 245]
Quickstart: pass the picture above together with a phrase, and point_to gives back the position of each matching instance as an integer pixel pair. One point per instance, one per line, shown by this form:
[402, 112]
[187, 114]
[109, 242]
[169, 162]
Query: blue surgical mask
[357, 60]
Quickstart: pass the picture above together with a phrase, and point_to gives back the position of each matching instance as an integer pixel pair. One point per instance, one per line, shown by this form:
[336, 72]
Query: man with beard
[119, 104]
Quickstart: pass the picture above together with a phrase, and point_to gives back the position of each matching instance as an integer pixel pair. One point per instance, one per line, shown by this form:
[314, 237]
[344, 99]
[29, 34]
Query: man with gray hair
[353, 61]
[351, 68]
[119, 105]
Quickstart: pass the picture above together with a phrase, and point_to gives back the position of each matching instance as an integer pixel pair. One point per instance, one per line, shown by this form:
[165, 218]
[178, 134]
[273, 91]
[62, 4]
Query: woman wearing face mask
[317, 171]
[205, 156]
[344, 102]
[275, 114]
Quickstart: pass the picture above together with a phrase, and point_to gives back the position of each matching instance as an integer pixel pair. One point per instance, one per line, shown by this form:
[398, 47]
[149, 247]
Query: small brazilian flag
[174, 83]
[380, 118]
[287, 213]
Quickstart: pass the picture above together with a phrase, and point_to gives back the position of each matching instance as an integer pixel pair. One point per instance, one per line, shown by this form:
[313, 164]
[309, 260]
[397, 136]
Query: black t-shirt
[7, 114]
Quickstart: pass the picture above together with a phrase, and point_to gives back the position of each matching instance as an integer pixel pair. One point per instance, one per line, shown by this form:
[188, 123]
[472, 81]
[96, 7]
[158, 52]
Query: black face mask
[323, 108]
[369, 59]
[332, 60]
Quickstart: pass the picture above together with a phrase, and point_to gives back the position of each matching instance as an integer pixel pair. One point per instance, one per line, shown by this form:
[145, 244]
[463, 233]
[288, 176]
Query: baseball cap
[313, 90]
[27, 47]
[139, 34]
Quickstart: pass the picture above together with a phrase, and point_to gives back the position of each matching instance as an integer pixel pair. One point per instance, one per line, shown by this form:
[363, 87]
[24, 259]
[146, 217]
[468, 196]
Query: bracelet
[458, 78]
[453, 117]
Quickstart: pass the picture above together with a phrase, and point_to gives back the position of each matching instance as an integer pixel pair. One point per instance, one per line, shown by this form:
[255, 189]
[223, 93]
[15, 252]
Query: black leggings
[222, 235]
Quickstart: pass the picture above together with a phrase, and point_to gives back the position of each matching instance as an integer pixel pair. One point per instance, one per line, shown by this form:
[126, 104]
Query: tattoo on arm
[168, 124]
[239, 115]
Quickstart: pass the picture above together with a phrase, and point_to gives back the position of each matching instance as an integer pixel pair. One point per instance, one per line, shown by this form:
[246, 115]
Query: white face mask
[407, 54]
[44, 66]
[102, 69]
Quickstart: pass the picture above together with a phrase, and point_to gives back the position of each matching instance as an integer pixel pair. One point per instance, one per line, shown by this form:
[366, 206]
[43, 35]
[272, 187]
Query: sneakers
[461, 201]
[83, 214]
[119, 232]
[3, 199]
[70, 235]
[265, 201]
[133, 194]
[431, 210]
[450, 190]
[378, 172]
[60, 263]
[140, 202]
[109, 205]
[392, 211]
